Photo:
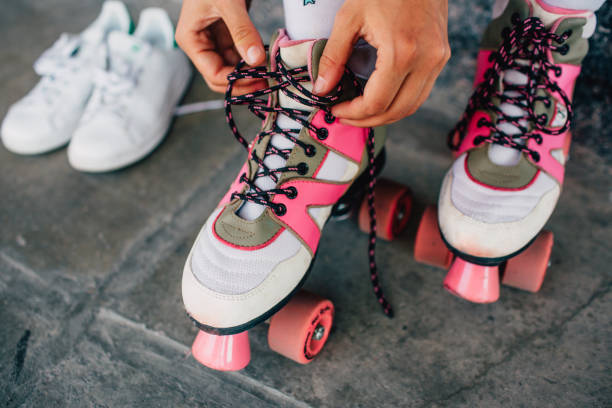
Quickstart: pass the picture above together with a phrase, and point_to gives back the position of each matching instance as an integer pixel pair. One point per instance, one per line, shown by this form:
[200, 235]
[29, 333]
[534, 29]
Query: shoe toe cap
[228, 287]
[25, 131]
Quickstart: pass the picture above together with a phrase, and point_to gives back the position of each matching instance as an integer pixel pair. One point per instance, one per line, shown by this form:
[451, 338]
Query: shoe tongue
[296, 55]
[122, 46]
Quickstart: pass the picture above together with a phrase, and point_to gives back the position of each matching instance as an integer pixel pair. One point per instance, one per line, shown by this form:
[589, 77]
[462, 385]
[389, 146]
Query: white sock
[591, 5]
[310, 19]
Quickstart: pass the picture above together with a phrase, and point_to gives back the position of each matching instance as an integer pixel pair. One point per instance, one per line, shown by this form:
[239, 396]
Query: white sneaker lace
[57, 65]
[111, 86]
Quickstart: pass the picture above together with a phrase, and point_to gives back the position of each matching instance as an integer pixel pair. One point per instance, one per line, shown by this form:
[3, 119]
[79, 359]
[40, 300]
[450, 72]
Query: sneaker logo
[307, 2]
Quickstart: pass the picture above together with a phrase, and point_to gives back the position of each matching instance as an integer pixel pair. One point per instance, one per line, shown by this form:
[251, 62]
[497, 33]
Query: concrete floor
[90, 265]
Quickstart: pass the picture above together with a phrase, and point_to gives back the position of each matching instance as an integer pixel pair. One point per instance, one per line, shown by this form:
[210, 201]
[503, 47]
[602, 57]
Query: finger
[245, 35]
[337, 52]
[380, 91]
[404, 104]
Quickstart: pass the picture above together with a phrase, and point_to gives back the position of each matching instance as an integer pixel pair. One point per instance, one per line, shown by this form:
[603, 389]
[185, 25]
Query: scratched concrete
[90, 306]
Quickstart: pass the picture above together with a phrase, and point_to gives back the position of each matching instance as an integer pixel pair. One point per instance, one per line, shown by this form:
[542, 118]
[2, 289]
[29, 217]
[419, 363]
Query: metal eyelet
[280, 210]
[322, 133]
[329, 118]
[310, 150]
[291, 192]
[302, 168]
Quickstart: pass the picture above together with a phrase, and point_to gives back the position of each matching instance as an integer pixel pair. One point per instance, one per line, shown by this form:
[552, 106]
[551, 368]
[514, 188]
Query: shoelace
[55, 66]
[528, 40]
[258, 104]
[110, 85]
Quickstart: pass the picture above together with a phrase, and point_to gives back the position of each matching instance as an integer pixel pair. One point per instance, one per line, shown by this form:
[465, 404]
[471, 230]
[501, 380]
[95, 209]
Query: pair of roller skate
[256, 249]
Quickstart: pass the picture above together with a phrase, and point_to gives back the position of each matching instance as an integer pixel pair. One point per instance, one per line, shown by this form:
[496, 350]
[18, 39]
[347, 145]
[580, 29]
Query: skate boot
[510, 149]
[255, 250]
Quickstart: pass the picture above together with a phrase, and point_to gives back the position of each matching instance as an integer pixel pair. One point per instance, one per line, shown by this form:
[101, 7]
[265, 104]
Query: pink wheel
[526, 271]
[428, 245]
[300, 329]
[393, 204]
[224, 353]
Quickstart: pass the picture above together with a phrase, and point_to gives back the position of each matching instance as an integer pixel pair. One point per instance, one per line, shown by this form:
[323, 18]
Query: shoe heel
[476, 283]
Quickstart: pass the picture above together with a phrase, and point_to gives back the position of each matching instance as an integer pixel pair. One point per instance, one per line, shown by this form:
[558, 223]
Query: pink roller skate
[256, 249]
[510, 149]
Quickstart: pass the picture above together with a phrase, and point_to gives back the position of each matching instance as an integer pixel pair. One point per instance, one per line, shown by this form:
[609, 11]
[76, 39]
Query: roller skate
[510, 148]
[257, 247]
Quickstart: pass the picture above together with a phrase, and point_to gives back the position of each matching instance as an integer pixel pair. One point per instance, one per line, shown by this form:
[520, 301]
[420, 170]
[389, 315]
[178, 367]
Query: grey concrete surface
[90, 265]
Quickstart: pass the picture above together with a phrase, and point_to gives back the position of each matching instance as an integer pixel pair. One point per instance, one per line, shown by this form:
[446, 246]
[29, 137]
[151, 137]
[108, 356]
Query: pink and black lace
[525, 49]
[257, 103]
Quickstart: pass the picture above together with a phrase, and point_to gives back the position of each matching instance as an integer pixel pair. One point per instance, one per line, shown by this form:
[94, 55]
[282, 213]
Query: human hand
[215, 35]
[411, 40]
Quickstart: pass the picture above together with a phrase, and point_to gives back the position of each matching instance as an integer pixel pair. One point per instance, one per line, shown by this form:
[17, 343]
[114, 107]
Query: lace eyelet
[563, 50]
[291, 192]
[558, 71]
[481, 122]
[302, 168]
[329, 118]
[310, 150]
[535, 156]
[516, 18]
[322, 133]
[478, 140]
[567, 33]
[280, 210]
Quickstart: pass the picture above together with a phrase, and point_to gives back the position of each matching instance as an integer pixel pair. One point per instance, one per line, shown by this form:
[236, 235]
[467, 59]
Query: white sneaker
[134, 99]
[47, 116]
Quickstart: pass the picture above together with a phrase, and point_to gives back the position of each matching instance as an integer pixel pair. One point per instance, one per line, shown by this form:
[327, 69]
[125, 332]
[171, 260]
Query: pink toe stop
[476, 283]
[224, 353]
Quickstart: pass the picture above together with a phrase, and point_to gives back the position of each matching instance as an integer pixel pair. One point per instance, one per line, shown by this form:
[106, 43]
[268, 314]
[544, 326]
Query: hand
[215, 35]
[412, 48]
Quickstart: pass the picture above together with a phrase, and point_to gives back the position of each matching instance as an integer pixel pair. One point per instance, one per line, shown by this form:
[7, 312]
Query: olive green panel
[298, 155]
[491, 174]
[239, 231]
[492, 37]
[578, 46]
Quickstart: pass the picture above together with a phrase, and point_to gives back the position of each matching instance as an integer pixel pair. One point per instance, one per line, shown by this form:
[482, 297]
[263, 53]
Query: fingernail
[253, 55]
[319, 85]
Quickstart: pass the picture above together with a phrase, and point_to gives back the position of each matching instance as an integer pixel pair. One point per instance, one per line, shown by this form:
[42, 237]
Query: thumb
[243, 32]
[335, 55]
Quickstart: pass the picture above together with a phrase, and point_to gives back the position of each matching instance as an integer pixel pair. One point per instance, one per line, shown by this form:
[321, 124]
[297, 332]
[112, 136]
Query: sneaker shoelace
[56, 65]
[257, 103]
[524, 49]
[111, 85]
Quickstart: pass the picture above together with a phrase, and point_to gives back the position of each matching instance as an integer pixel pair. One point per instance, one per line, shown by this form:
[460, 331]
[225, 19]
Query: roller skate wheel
[429, 248]
[300, 329]
[393, 202]
[526, 271]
